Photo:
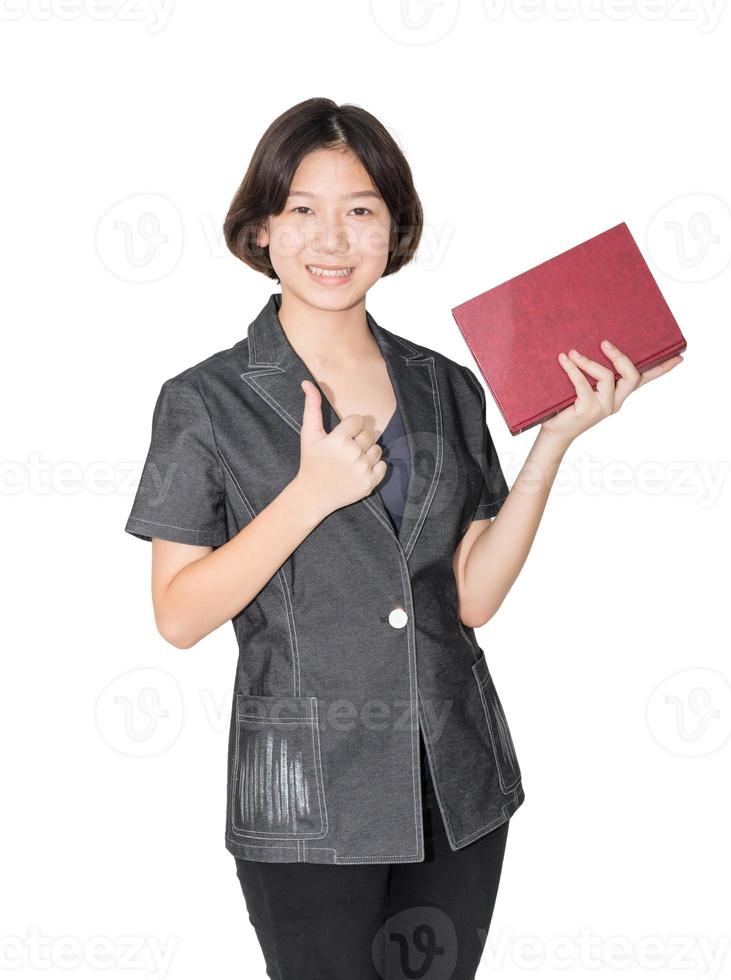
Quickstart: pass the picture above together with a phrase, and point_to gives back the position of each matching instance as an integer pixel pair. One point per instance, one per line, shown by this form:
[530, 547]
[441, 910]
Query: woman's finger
[583, 388]
[629, 378]
[604, 376]
[373, 454]
[365, 439]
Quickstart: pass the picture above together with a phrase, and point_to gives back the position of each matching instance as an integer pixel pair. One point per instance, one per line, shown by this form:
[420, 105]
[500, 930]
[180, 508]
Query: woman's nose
[332, 236]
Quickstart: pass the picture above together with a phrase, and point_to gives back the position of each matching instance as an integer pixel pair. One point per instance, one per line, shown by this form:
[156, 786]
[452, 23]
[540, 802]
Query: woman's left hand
[592, 406]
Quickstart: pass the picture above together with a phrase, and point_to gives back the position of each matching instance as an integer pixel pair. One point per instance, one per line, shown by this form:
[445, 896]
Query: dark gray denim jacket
[355, 641]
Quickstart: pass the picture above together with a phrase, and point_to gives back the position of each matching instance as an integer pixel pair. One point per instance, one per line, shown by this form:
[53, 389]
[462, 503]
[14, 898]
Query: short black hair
[322, 124]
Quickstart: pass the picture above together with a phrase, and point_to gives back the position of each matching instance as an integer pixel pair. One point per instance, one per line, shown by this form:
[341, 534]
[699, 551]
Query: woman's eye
[301, 208]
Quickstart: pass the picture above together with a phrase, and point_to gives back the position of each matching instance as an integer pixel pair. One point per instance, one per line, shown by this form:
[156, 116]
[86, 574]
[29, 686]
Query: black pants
[378, 921]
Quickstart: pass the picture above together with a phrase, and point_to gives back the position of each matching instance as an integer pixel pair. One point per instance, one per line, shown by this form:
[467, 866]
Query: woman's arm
[492, 553]
[195, 588]
[490, 556]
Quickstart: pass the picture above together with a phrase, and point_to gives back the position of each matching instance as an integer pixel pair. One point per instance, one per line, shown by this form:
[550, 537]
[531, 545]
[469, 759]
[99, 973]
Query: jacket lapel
[276, 370]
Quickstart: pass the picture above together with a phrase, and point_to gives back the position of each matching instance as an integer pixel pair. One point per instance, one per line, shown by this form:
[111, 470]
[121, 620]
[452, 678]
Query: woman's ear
[262, 237]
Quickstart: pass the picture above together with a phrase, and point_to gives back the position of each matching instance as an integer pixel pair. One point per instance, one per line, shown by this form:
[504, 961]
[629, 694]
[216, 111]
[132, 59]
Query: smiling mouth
[330, 272]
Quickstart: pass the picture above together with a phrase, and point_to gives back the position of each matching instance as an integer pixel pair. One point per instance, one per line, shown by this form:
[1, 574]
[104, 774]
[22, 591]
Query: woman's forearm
[206, 593]
[499, 552]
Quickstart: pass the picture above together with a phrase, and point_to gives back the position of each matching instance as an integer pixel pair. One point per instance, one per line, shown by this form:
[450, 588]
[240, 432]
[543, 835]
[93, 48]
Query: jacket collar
[276, 370]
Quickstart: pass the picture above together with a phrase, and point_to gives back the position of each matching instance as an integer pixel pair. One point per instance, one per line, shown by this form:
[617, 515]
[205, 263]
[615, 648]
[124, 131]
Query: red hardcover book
[600, 289]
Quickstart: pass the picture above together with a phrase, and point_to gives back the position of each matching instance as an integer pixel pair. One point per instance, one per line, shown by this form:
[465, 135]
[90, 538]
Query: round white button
[398, 618]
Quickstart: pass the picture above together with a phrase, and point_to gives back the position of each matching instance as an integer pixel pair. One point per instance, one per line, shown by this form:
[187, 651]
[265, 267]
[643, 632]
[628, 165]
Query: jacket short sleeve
[180, 496]
[494, 486]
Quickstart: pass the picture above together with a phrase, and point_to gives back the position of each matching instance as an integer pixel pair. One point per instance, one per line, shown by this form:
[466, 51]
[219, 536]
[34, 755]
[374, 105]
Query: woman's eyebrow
[352, 194]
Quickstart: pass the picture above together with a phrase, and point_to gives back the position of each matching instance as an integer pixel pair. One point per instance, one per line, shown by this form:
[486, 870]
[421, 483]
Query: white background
[529, 127]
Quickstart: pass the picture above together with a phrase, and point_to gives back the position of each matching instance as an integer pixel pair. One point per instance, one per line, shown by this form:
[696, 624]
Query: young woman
[331, 488]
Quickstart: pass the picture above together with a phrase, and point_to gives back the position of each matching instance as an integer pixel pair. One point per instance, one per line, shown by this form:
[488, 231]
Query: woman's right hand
[339, 467]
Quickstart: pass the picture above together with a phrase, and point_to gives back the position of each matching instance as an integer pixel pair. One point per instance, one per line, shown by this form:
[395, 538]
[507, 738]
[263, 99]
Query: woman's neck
[323, 337]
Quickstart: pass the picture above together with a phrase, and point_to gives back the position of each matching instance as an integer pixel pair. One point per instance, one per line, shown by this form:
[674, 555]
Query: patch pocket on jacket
[503, 748]
[277, 788]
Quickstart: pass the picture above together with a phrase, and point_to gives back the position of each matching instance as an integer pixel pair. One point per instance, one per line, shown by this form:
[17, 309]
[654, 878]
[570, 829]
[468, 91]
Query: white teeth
[329, 272]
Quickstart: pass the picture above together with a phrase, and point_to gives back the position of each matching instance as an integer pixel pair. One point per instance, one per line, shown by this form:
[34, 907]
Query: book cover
[602, 288]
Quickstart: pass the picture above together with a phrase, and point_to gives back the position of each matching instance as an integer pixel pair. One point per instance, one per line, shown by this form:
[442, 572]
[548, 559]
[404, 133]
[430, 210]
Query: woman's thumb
[312, 426]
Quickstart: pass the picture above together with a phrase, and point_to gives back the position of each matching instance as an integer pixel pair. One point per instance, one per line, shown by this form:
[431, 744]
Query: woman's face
[334, 218]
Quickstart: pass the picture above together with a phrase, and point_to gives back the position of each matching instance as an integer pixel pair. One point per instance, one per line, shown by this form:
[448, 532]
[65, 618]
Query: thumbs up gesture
[339, 467]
